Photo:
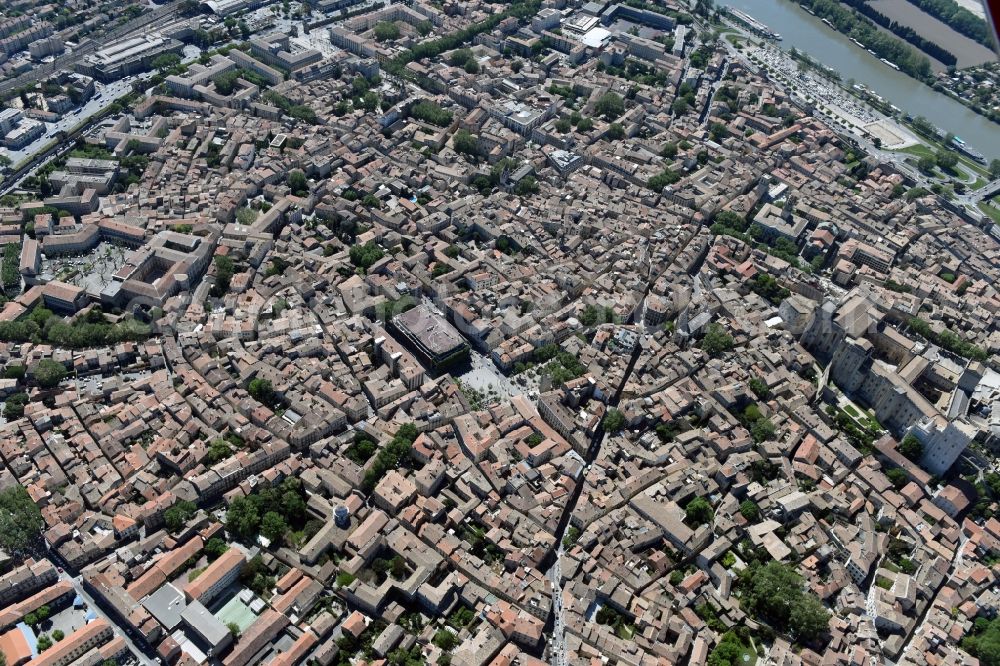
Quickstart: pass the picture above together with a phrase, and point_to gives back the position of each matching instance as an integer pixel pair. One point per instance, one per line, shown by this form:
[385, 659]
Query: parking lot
[831, 100]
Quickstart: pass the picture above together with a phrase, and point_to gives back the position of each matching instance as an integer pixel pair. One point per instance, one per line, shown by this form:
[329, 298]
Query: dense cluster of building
[528, 351]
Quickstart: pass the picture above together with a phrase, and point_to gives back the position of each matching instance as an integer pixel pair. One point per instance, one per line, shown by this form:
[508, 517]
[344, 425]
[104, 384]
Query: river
[825, 45]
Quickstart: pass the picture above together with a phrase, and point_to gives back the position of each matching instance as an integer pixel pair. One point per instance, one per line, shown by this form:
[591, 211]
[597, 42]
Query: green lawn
[919, 150]
[990, 211]
[749, 656]
[625, 631]
[975, 166]
[925, 150]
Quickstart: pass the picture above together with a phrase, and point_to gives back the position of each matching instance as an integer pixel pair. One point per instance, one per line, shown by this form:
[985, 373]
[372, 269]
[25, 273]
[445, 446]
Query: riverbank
[808, 35]
[884, 135]
[830, 99]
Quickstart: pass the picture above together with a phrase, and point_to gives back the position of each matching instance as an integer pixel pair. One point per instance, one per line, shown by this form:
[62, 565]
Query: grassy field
[925, 150]
[990, 211]
[919, 150]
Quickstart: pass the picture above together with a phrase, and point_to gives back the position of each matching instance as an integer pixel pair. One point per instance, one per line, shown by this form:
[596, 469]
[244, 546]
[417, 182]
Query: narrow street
[559, 622]
[558, 641]
[139, 655]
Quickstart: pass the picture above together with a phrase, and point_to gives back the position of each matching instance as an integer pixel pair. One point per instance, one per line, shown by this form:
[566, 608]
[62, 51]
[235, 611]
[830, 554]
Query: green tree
[585, 125]
[386, 31]
[594, 314]
[460, 57]
[760, 388]
[776, 593]
[369, 101]
[225, 83]
[662, 179]
[897, 476]
[615, 132]
[246, 216]
[49, 373]
[698, 512]
[809, 618]
[215, 547]
[445, 640]
[273, 526]
[364, 256]
[58, 635]
[727, 652]
[610, 106]
[166, 61]
[946, 159]
[432, 113]
[390, 457]
[234, 629]
[218, 450]
[224, 269]
[256, 576]
[292, 505]
[716, 340]
[525, 186]
[762, 430]
[614, 420]
[179, 514]
[984, 642]
[995, 168]
[20, 519]
[750, 510]
[926, 164]
[359, 85]
[297, 183]
[14, 407]
[261, 390]
[911, 448]
[242, 518]
[465, 142]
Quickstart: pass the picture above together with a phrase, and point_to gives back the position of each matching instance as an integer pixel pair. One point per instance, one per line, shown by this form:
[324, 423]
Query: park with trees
[21, 520]
[776, 594]
[272, 512]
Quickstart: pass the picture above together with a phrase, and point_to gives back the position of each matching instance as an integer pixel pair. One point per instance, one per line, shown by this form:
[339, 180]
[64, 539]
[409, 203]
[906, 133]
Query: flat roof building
[208, 627]
[432, 336]
[128, 56]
